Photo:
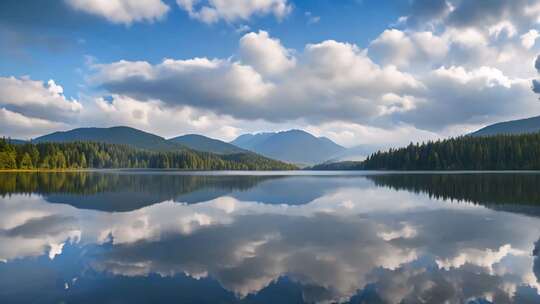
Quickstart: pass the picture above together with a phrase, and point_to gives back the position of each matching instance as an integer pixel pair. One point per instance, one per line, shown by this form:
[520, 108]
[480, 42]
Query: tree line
[500, 152]
[82, 155]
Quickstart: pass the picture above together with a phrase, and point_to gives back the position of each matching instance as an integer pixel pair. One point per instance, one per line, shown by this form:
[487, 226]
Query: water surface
[206, 237]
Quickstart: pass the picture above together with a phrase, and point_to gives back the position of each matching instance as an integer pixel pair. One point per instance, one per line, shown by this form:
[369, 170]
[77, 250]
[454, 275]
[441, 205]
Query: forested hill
[206, 144]
[75, 155]
[520, 126]
[114, 135]
[501, 152]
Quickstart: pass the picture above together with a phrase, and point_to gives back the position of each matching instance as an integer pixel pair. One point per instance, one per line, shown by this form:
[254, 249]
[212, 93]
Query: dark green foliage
[502, 152]
[76, 155]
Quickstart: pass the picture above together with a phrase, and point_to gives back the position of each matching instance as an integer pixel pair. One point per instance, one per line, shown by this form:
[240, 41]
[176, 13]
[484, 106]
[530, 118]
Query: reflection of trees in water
[484, 189]
[87, 183]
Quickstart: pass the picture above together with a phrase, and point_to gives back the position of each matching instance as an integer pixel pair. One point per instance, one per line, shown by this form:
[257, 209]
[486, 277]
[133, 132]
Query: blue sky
[175, 36]
[359, 72]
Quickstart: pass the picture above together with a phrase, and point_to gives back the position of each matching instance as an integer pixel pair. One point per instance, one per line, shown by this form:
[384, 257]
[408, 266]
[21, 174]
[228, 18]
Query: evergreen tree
[101, 155]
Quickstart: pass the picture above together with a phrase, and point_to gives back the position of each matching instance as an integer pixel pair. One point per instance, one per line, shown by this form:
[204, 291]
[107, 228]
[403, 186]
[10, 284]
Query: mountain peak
[296, 146]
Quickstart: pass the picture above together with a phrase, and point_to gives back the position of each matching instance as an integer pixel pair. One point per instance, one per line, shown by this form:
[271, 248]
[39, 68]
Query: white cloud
[16, 125]
[212, 11]
[334, 81]
[265, 54]
[30, 106]
[528, 40]
[503, 16]
[154, 116]
[123, 11]
[504, 27]
[25, 94]
[442, 72]
[405, 49]
[457, 95]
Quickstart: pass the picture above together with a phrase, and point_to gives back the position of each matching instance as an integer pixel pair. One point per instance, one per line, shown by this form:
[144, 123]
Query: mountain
[251, 141]
[206, 144]
[357, 153]
[115, 135]
[520, 126]
[295, 146]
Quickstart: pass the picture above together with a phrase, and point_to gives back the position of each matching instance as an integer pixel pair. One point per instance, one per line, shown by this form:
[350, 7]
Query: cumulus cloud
[122, 11]
[330, 80]
[502, 28]
[458, 95]
[334, 81]
[212, 11]
[503, 16]
[216, 84]
[35, 97]
[13, 124]
[422, 11]
[528, 40]
[471, 13]
[28, 106]
[155, 116]
[267, 55]
[404, 49]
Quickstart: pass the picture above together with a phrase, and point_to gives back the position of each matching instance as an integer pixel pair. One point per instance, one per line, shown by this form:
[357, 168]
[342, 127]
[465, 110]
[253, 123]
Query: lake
[280, 237]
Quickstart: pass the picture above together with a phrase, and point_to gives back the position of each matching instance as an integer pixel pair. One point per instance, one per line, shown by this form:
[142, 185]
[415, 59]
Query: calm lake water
[166, 237]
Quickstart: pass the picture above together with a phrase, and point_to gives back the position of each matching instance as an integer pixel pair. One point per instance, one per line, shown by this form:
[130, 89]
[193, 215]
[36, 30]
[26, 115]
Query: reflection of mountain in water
[517, 192]
[121, 191]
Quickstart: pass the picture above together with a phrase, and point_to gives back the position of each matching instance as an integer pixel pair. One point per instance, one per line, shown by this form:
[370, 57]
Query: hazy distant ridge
[295, 146]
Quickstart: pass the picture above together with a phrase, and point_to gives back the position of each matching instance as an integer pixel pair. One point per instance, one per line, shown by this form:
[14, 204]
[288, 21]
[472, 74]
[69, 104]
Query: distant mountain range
[294, 146]
[206, 144]
[140, 139]
[520, 126]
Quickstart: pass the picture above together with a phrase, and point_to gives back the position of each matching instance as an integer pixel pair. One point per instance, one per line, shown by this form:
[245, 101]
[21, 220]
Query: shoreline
[230, 170]
[46, 170]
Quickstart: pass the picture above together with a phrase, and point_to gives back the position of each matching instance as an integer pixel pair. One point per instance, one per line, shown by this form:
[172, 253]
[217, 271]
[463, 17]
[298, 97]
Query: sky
[357, 71]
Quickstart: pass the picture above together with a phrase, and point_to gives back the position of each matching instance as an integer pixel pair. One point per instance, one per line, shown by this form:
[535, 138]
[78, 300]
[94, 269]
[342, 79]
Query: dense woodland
[81, 155]
[501, 152]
